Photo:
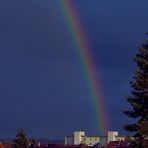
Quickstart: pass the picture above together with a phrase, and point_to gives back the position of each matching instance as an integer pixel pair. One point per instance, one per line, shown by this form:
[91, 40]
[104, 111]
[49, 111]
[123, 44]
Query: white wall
[90, 141]
[78, 137]
[120, 138]
[112, 136]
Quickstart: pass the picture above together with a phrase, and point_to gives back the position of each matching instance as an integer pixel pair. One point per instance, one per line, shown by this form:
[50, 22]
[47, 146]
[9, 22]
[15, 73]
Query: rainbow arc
[84, 51]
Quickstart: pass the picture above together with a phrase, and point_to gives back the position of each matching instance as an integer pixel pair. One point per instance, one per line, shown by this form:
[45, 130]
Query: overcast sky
[42, 87]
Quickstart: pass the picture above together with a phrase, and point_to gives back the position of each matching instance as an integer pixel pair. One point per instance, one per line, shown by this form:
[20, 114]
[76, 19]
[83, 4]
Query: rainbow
[87, 59]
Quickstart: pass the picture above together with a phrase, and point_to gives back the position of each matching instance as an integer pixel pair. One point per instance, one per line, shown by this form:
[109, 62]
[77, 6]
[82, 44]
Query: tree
[144, 128]
[139, 97]
[21, 140]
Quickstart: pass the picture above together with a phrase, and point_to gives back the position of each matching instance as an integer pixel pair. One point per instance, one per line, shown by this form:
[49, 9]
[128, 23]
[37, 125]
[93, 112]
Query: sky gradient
[42, 86]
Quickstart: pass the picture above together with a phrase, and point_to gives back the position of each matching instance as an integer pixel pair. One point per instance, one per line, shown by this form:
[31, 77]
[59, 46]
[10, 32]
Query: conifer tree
[139, 96]
[21, 140]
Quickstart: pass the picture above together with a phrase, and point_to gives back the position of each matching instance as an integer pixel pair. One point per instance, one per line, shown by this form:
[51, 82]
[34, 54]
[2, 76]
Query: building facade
[79, 137]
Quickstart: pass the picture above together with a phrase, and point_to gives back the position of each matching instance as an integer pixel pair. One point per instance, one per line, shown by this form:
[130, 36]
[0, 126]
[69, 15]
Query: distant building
[90, 141]
[69, 140]
[113, 136]
[79, 137]
[103, 140]
[120, 138]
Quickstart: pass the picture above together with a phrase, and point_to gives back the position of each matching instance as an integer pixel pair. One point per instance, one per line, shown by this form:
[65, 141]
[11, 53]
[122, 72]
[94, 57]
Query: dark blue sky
[42, 87]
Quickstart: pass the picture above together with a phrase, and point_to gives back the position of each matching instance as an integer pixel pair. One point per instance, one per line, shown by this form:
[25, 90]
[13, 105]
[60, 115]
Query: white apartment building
[90, 141]
[114, 136]
[79, 137]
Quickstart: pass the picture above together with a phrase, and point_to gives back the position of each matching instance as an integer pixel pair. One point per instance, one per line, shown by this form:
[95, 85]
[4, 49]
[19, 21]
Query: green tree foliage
[21, 140]
[139, 97]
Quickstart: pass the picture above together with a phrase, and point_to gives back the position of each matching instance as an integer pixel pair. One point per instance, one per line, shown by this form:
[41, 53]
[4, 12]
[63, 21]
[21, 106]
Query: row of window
[91, 139]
